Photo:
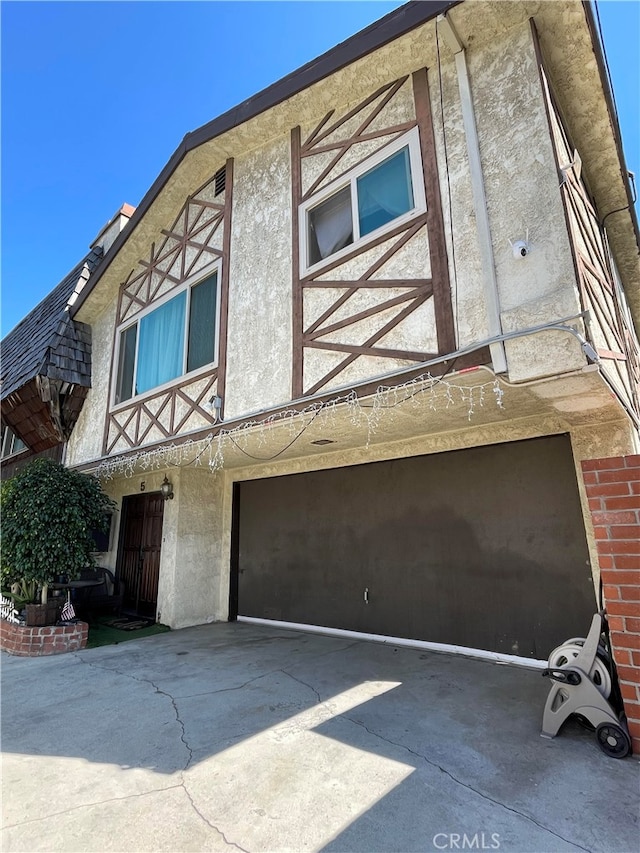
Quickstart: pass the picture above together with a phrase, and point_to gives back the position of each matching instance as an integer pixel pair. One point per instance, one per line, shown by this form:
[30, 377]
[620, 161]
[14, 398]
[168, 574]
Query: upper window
[177, 337]
[10, 442]
[376, 195]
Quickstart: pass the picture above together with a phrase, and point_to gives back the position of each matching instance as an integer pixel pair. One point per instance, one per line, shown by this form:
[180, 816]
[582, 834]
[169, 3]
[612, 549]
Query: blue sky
[96, 96]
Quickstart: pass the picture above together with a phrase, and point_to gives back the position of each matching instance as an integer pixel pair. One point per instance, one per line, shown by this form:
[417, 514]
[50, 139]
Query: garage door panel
[483, 548]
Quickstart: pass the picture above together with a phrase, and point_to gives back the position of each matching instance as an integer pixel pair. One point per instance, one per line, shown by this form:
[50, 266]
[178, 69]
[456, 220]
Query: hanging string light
[369, 413]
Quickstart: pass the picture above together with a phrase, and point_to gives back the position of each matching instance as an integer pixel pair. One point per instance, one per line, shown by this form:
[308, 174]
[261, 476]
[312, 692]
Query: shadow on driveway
[253, 738]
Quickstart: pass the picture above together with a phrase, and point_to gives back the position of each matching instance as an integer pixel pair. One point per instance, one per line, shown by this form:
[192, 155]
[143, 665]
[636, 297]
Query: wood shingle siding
[46, 365]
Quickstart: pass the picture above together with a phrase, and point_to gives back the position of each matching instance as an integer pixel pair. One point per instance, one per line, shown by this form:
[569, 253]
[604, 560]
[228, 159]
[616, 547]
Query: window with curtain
[176, 338]
[373, 196]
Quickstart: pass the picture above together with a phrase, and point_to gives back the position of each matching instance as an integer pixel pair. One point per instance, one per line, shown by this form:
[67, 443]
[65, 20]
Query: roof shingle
[46, 339]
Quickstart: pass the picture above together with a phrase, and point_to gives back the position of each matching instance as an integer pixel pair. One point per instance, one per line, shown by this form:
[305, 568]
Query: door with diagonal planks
[139, 554]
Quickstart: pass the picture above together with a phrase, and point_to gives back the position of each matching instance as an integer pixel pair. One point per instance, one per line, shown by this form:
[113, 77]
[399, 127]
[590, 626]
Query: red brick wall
[613, 489]
[49, 640]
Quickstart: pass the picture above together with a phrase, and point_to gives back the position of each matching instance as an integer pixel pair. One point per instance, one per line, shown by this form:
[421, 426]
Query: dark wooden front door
[139, 557]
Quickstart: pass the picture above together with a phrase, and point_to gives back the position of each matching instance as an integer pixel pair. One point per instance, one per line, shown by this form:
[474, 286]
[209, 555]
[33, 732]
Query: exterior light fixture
[214, 404]
[166, 489]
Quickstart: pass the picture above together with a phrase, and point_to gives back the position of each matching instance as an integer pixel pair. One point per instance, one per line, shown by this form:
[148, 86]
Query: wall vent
[219, 178]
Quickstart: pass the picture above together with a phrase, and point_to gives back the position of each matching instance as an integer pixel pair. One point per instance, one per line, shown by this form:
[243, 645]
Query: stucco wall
[463, 249]
[524, 203]
[259, 338]
[85, 442]
[522, 198]
[193, 580]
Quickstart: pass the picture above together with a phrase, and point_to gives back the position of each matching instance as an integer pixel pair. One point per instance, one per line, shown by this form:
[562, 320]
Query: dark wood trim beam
[396, 129]
[362, 127]
[354, 112]
[194, 405]
[545, 92]
[132, 298]
[368, 312]
[368, 343]
[367, 156]
[195, 228]
[379, 352]
[314, 133]
[201, 202]
[120, 430]
[165, 277]
[608, 354]
[435, 222]
[331, 310]
[411, 228]
[366, 283]
[153, 422]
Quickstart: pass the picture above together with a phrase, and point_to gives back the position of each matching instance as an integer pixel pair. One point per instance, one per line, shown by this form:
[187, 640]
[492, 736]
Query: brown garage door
[482, 548]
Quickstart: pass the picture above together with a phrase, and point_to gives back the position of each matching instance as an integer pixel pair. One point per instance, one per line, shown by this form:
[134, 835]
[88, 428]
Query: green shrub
[48, 514]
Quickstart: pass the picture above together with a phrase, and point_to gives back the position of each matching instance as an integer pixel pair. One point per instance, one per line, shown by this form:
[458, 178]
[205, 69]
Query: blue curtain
[385, 192]
[161, 346]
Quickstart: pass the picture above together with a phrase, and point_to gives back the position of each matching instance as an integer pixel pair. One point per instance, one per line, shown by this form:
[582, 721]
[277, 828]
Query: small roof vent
[220, 178]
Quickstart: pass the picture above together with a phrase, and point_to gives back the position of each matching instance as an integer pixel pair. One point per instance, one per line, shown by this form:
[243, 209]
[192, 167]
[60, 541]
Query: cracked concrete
[464, 784]
[237, 737]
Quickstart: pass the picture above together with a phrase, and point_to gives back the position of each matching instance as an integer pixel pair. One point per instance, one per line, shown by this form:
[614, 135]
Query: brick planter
[38, 641]
[613, 489]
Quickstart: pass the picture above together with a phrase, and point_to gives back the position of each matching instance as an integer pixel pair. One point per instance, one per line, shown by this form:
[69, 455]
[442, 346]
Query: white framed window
[174, 337]
[11, 443]
[373, 197]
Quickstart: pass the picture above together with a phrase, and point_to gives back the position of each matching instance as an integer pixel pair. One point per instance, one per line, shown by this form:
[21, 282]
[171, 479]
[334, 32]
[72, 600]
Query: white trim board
[443, 648]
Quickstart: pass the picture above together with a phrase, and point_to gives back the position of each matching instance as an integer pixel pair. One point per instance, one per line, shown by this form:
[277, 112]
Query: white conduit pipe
[490, 282]
[443, 648]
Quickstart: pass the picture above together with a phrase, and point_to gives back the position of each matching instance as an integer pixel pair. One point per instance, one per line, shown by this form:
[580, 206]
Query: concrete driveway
[238, 737]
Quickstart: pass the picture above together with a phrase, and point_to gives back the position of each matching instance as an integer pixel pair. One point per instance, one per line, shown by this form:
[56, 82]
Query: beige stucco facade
[549, 386]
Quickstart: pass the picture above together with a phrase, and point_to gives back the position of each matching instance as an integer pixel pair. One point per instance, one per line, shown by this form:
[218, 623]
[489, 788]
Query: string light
[381, 406]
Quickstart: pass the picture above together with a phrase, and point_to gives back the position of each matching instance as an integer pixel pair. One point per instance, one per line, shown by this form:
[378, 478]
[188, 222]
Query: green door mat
[111, 631]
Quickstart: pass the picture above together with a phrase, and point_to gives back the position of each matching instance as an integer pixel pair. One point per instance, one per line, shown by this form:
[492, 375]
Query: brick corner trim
[613, 491]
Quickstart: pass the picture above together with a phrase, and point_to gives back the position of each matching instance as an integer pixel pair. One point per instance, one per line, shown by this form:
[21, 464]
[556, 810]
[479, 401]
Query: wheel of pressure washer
[600, 671]
[613, 740]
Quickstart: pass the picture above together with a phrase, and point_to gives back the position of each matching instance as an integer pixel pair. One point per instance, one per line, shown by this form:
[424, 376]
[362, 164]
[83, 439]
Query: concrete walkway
[239, 737]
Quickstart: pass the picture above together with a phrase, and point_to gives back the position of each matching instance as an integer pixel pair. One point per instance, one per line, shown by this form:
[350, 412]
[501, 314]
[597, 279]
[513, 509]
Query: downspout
[490, 283]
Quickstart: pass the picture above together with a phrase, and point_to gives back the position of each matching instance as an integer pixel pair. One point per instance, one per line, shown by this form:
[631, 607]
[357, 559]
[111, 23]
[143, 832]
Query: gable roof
[397, 23]
[36, 346]
[624, 233]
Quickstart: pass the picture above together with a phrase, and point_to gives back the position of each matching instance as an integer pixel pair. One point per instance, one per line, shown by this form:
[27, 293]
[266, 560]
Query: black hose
[616, 696]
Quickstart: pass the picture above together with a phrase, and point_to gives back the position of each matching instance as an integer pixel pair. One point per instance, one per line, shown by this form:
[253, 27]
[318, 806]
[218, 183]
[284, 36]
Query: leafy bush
[48, 514]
